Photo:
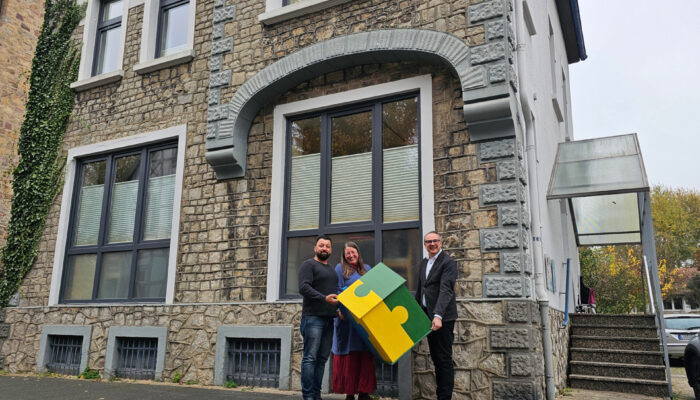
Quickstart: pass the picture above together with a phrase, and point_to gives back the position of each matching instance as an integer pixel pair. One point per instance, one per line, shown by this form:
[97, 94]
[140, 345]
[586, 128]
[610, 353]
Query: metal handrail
[646, 271]
[655, 297]
[566, 307]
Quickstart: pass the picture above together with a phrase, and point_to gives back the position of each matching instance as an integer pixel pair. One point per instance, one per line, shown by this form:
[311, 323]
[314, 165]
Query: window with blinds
[120, 226]
[353, 174]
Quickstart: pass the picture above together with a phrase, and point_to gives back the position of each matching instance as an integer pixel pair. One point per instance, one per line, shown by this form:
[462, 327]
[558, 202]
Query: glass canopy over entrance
[606, 186]
[601, 178]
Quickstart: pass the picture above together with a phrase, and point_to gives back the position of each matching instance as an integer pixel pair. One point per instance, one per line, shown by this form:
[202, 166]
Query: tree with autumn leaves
[615, 272]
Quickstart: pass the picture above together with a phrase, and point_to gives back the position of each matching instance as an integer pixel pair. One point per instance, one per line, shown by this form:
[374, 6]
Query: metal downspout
[537, 258]
[535, 222]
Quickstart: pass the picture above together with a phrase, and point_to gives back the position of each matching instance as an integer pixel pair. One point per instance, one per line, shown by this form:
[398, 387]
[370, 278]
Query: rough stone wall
[560, 348]
[191, 340]
[20, 22]
[139, 104]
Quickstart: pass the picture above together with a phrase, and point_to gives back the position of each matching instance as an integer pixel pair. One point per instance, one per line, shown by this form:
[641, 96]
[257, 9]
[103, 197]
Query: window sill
[98, 80]
[180, 57]
[296, 10]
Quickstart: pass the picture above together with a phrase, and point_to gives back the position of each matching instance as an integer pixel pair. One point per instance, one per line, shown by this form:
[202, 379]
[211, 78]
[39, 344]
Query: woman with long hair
[353, 364]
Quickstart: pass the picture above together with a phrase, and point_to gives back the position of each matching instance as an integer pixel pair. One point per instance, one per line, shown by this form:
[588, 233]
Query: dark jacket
[439, 287]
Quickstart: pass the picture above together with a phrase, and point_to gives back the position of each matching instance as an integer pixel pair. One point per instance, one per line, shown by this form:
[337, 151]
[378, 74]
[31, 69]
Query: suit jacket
[438, 287]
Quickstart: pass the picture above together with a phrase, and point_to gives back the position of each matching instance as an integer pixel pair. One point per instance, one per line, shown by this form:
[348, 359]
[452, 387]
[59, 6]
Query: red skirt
[354, 373]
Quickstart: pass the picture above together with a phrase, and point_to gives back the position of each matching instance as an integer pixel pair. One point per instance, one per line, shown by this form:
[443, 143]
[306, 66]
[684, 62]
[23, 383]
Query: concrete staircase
[617, 353]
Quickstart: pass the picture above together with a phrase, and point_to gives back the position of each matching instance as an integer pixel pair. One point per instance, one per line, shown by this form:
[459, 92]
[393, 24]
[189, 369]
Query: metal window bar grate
[254, 362]
[65, 352]
[137, 358]
[387, 379]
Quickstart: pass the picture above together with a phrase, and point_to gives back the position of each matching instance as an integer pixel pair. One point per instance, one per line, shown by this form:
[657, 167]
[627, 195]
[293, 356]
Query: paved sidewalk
[20, 387]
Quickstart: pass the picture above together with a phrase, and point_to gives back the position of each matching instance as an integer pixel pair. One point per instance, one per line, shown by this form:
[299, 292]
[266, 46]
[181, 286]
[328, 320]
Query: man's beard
[323, 256]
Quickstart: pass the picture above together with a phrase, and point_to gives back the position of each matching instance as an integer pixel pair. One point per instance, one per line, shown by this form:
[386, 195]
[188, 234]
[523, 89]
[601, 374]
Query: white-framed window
[167, 37]
[380, 210]
[104, 34]
[118, 227]
[281, 10]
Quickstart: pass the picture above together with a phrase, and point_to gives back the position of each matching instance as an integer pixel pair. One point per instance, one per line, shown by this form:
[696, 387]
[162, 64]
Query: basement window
[253, 362]
[64, 354]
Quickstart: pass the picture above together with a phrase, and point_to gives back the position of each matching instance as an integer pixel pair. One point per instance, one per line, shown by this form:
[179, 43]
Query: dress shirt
[428, 267]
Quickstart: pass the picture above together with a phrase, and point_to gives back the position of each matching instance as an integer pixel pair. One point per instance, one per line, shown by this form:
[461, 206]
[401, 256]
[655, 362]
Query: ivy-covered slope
[37, 177]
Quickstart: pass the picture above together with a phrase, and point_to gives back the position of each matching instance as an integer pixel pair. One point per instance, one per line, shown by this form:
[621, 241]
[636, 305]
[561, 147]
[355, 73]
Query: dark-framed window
[173, 17]
[108, 37]
[353, 174]
[119, 232]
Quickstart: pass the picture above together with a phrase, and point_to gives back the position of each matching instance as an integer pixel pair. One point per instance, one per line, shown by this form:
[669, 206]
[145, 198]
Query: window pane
[400, 123]
[298, 250]
[351, 168]
[111, 9]
[151, 273]
[109, 49]
[174, 29]
[115, 276]
[80, 277]
[401, 250]
[305, 174]
[401, 200]
[160, 194]
[87, 226]
[124, 198]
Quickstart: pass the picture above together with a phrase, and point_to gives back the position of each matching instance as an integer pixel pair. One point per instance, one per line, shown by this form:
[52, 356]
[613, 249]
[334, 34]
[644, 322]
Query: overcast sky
[643, 75]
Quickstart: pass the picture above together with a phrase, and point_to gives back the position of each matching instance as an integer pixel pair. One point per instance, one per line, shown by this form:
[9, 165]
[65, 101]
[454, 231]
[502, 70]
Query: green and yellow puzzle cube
[381, 304]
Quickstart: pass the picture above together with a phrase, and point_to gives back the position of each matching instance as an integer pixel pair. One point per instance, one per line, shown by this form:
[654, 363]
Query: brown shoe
[350, 397]
[363, 396]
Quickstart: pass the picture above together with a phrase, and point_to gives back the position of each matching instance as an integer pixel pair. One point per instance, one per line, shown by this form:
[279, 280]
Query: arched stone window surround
[227, 136]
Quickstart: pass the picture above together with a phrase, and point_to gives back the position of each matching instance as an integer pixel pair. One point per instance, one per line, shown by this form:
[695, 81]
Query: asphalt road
[14, 387]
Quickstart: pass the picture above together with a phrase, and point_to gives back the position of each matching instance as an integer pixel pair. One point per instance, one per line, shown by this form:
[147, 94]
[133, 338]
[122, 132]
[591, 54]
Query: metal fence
[253, 362]
[65, 352]
[387, 379]
[136, 357]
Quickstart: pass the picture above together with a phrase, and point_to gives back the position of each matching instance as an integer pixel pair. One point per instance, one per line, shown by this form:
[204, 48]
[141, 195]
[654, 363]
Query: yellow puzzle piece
[385, 331]
[360, 305]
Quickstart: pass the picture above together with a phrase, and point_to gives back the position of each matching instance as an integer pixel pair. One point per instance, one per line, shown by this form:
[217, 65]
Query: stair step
[613, 319]
[615, 343]
[620, 356]
[647, 387]
[626, 330]
[619, 370]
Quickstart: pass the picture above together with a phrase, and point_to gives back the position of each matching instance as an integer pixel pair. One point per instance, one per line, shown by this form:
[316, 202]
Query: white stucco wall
[537, 89]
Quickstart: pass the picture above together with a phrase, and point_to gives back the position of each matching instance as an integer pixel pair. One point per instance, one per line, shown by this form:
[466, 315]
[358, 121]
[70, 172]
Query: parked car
[680, 328]
[691, 359]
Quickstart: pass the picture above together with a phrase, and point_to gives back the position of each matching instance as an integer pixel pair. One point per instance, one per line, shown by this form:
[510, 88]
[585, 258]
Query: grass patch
[230, 384]
[90, 373]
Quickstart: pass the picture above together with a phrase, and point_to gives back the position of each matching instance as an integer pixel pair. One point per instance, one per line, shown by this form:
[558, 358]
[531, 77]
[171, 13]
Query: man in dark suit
[436, 293]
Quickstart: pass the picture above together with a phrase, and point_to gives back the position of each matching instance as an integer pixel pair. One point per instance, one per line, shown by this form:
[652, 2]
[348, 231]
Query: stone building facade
[226, 100]
[20, 22]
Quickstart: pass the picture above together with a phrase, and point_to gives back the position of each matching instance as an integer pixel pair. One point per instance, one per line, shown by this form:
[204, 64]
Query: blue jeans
[318, 337]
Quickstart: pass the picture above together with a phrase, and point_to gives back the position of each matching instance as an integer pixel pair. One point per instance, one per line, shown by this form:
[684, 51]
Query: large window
[172, 27]
[108, 37]
[119, 233]
[353, 174]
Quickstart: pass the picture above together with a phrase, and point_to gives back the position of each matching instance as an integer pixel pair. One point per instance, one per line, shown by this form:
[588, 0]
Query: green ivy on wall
[37, 177]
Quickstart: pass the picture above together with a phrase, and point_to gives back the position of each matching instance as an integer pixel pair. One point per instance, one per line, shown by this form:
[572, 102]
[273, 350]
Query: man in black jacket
[436, 293]
[318, 283]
